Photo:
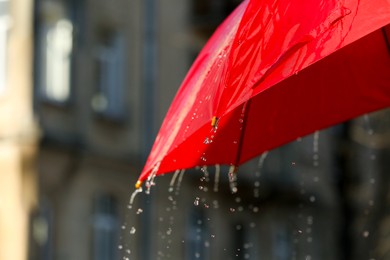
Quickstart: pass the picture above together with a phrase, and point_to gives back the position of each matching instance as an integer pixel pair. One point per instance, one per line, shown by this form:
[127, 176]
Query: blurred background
[84, 87]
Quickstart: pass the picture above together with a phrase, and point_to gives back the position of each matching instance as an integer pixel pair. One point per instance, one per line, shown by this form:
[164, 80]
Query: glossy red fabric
[272, 72]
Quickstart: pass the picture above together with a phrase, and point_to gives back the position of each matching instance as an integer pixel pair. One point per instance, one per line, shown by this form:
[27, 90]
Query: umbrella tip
[138, 184]
[214, 121]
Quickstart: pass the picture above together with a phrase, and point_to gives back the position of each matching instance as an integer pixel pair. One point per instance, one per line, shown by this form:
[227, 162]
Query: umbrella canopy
[272, 72]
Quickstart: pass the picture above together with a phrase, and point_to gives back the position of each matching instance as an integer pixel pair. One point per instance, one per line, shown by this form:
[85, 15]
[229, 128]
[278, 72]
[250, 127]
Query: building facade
[104, 75]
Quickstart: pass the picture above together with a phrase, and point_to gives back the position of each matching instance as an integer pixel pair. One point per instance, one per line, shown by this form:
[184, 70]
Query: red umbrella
[272, 72]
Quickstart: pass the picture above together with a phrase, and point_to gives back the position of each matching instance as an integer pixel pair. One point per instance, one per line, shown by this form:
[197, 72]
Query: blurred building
[105, 73]
[18, 135]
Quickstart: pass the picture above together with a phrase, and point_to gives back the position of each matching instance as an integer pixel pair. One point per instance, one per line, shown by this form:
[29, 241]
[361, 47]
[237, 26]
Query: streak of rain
[216, 177]
[132, 197]
[233, 179]
[173, 180]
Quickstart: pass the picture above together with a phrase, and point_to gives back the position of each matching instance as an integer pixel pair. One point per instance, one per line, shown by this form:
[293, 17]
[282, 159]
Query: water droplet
[169, 231]
[310, 220]
[132, 197]
[232, 210]
[139, 211]
[233, 179]
[196, 202]
[312, 198]
[293, 163]
[366, 233]
[123, 227]
[120, 247]
[212, 235]
[132, 230]
[128, 251]
[255, 209]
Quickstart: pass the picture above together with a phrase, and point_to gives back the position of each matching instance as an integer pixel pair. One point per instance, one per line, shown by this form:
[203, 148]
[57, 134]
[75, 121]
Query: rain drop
[139, 211]
[120, 247]
[132, 197]
[196, 202]
[366, 233]
[132, 230]
[233, 179]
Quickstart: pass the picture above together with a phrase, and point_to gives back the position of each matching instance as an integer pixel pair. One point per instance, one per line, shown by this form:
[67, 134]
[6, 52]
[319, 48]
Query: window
[56, 44]
[282, 242]
[4, 26]
[108, 100]
[105, 228]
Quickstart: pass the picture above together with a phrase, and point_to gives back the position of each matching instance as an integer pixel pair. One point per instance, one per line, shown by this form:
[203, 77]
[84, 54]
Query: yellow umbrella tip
[138, 184]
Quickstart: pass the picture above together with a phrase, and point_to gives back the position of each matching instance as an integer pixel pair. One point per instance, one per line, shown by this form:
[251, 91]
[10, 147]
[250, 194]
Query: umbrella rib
[240, 141]
[386, 37]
